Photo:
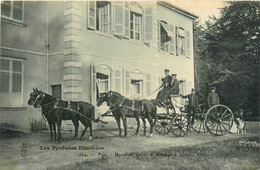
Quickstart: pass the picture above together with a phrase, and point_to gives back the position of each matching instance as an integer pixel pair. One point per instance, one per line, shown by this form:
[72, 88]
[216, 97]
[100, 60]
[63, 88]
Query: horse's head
[104, 97]
[35, 98]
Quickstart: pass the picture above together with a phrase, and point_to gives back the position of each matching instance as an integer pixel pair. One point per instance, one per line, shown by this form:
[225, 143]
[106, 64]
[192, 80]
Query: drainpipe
[47, 45]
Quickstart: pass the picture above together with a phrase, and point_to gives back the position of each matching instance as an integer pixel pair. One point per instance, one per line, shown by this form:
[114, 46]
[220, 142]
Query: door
[56, 91]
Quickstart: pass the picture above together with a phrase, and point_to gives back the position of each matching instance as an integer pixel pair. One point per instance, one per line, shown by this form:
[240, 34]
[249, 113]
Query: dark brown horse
[57, 110]
[123, 107]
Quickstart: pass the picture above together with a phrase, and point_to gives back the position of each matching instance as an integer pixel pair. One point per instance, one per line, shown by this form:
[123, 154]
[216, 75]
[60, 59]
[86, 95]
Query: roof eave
[179, 10]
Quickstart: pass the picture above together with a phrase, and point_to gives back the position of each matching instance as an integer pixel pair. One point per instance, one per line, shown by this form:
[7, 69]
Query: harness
[120, 105]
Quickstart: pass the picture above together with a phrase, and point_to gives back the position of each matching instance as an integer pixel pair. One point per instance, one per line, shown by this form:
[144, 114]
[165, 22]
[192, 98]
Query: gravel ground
[41, 154]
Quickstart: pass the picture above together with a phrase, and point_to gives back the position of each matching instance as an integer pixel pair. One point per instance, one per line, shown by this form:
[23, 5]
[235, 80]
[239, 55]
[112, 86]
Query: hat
[174, 74]
[166, 70]
[213, 88]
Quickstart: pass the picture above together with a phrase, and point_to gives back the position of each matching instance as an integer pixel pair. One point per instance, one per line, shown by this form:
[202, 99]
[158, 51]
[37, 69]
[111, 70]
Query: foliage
[227, 55]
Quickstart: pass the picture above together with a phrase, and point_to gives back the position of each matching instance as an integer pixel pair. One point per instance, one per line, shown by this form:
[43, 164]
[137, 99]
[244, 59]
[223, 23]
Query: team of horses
[56, 110]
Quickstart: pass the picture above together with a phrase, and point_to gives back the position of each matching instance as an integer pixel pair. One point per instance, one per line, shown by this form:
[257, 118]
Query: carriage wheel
[163, 126]
[219, 120]
[199, 124]
[180, 126]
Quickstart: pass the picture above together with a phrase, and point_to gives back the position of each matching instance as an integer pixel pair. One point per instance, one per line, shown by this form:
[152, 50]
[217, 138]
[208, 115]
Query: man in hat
[212, 98]
[174, 85]
[165, 85]
[193, 104]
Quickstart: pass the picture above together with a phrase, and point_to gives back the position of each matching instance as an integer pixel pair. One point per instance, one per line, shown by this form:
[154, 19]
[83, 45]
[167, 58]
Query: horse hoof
[150, 136]
[90, 138]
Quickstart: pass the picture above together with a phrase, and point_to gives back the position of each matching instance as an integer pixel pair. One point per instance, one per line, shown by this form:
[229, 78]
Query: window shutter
[148, 85]
[118, 80]
[91, 15]
[127, 20]
[93, 84]
[127, 84]
[148, 25]
[118, 18]
[187, 38]
[171, 43]
[177, 40]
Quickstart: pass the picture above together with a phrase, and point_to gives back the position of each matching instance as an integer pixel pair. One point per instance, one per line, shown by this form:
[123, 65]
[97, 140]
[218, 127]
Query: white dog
[239, 120]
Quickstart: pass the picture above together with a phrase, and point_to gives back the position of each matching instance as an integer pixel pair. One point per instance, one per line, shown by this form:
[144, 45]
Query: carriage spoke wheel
[219, 120]
[199, 124]
[163, 126]
[180, 126]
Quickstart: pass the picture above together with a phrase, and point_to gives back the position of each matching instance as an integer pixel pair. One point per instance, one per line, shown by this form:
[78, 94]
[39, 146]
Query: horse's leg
[58, 122]
[85, 123]
[54, 129]
[144, 123]
[90, 130]
[138, 125]
[125, 125]
[76, 125]
[51, 132]
[150, 119]
[118, 124]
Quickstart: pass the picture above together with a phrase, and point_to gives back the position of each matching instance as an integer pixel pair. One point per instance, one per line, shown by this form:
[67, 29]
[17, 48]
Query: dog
[239, 120]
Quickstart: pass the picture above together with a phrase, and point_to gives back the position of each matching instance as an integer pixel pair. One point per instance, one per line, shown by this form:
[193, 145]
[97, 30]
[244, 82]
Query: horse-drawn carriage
[217, 120]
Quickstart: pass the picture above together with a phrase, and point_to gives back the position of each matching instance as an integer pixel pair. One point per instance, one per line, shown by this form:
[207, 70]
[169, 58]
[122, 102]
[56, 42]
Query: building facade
[76, 49]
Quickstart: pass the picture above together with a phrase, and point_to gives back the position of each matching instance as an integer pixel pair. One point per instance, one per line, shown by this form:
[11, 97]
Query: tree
[227, 55]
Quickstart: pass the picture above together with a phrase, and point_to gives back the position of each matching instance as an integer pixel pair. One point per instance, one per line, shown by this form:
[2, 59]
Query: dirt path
[41, 154]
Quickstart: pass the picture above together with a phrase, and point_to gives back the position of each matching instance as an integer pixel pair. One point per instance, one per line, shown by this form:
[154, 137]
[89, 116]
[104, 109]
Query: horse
[64, 110]
[46, 112]
[124, 107]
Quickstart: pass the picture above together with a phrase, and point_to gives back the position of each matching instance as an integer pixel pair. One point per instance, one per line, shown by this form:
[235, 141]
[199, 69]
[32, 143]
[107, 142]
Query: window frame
[11, 73]
[135, 15]
[183, 39]
[168, 43]
[99, 15]
[12, 13]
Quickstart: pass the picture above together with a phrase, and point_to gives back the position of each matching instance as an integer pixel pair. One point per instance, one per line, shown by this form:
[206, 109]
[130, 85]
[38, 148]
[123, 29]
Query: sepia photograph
[129, 85]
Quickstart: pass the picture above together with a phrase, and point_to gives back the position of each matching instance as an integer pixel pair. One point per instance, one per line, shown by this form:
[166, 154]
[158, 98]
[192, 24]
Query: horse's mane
[115, 93]
[49, 96]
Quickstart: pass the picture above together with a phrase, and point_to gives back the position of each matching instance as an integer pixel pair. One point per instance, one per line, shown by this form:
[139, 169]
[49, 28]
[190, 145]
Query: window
[12, 9]
[11, 78]
[166, 37]
[135, 21]
[181, 41]
[137, 84]
[136, 88]
[103, 78]
[103, 16]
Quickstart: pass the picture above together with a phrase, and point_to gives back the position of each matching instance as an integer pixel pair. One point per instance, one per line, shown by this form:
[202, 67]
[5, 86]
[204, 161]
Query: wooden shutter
[93, 84]
[91, 15]
[177, 40]
[148, 25]
[148, 85]
[118, 80]
[171, 43]
[119, 18]
[127, 20]
[187, 42]
[127, 84]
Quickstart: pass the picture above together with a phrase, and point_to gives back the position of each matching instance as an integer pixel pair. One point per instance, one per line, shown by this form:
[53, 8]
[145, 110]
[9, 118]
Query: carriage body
[216, 120]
